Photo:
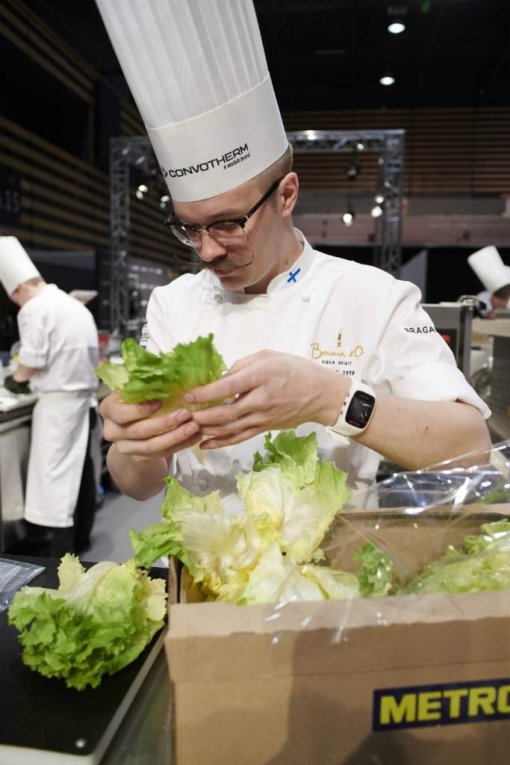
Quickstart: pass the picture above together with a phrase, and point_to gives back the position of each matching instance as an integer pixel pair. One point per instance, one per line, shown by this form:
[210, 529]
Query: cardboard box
[395, 680]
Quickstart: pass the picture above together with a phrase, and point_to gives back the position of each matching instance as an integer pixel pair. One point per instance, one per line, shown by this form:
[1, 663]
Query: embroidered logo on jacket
[341, 359]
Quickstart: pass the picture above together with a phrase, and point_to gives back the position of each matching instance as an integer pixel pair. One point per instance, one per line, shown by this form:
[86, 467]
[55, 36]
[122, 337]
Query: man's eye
[226, 226]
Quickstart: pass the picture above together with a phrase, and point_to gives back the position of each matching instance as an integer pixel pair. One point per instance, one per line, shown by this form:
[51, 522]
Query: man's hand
[14, 386]
[141, 434]
[143, 442]
[268, 390]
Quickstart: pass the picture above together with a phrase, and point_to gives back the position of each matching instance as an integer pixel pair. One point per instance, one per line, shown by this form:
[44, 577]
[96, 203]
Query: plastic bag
[14, 574]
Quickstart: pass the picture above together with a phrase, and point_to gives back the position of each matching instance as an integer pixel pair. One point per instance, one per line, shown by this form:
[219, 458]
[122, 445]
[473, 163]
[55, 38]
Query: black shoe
[44, 542]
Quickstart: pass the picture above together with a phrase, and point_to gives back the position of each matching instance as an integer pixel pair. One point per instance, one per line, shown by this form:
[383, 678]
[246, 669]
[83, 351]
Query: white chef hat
[15, 265]
[490, 269]
[198, 73]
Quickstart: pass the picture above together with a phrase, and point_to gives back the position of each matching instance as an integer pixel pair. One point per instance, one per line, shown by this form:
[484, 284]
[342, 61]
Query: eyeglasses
[226, 232]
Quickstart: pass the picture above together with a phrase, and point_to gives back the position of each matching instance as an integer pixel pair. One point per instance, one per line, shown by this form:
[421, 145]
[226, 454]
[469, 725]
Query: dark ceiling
[329, 54]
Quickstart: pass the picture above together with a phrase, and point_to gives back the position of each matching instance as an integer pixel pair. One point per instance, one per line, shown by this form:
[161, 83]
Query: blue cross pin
[292, 275]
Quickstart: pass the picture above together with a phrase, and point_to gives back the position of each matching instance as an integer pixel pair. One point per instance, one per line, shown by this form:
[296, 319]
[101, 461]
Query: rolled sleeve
[34, 351]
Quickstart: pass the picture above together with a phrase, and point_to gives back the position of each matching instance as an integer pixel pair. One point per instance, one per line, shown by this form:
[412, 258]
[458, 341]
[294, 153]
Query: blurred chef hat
[490, 269]
[198, 73]
[15, 265]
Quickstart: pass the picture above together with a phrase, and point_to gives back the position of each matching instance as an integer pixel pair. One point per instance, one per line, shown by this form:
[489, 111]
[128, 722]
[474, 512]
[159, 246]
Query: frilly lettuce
[166, 377]
[97, 621]
[300, 493]
[482, 563]
[290, 500]
[375, 574]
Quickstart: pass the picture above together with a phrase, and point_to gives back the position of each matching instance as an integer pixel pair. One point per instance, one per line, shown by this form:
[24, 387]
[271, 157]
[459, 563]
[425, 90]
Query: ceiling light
[348, 217]
[376, 211]
[354, 168]
[379, 199]
[164, 200]
[396, 27]
[387, 79]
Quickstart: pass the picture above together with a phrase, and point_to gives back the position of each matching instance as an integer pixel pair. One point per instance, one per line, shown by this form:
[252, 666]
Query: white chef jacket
[353, 319]
[59, 338]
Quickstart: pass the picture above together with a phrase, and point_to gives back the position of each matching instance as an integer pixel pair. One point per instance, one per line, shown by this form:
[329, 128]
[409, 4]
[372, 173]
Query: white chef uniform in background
[58, 338]
[198, 74]
[492, 272]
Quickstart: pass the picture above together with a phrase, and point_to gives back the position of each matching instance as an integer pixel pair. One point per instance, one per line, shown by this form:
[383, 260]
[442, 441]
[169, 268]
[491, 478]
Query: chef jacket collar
[291, 279]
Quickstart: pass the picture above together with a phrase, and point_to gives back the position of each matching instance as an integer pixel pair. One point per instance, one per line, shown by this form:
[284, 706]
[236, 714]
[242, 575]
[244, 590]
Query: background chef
[312, 341]
[495, 277]
[58, 355]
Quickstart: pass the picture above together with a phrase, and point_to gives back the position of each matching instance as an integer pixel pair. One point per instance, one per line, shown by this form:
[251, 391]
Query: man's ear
[288, 195]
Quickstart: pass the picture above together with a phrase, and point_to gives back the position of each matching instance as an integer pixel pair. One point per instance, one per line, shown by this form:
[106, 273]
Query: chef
[495, 277]
[57, 360]
[312, 342]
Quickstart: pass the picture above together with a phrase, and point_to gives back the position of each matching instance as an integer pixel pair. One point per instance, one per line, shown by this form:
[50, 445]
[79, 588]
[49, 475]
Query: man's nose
[209, 248]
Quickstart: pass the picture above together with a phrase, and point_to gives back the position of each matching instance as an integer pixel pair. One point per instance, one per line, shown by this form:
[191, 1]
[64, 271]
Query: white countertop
[494, 327]
[10, 401]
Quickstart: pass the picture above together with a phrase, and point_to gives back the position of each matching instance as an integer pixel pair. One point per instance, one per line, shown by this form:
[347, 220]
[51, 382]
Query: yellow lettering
[454, 697]
[503, 703]
[393, 711]
[481, 700]
[429, 705]
[316, 351]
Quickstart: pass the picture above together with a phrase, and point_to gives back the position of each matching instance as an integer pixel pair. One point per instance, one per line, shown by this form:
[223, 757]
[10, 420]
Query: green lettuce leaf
[299, 492]
[375, 574]
[166, 377]
[218, 549]
[276, 579]
[482, 563]
[97, 621]
[289, 503]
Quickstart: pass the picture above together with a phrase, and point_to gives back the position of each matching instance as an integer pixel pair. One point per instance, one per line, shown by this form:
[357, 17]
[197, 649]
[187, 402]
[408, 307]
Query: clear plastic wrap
[15, 574]
[397, 678]
[415, 517]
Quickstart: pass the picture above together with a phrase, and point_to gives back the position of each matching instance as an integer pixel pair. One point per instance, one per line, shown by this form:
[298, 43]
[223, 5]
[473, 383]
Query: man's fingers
[113, 408]
[232, 385]
[161, 445]
[218, 442]
[145, 428]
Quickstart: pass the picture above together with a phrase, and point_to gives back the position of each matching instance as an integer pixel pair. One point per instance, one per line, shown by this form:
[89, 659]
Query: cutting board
[44, 722]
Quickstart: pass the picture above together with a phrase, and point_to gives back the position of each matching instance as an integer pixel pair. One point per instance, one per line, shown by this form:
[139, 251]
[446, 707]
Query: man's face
[249, 266]
[17, 295]
[499, 302]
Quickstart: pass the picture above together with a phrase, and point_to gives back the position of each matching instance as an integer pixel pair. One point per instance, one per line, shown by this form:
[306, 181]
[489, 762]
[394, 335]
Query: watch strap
[347, 424]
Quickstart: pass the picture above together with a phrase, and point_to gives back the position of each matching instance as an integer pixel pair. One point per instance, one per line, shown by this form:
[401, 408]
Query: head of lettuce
[97, 621]
[165, 377]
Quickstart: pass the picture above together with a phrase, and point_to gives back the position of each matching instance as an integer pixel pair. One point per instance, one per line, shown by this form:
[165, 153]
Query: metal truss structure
[125, 154]
[133, 152]
[389, 145]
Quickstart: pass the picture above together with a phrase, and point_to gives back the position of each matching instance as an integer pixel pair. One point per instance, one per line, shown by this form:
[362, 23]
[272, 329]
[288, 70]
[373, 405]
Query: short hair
[278, 169]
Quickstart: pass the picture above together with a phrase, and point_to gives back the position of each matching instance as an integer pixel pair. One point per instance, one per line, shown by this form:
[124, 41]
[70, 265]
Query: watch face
[359, 409]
